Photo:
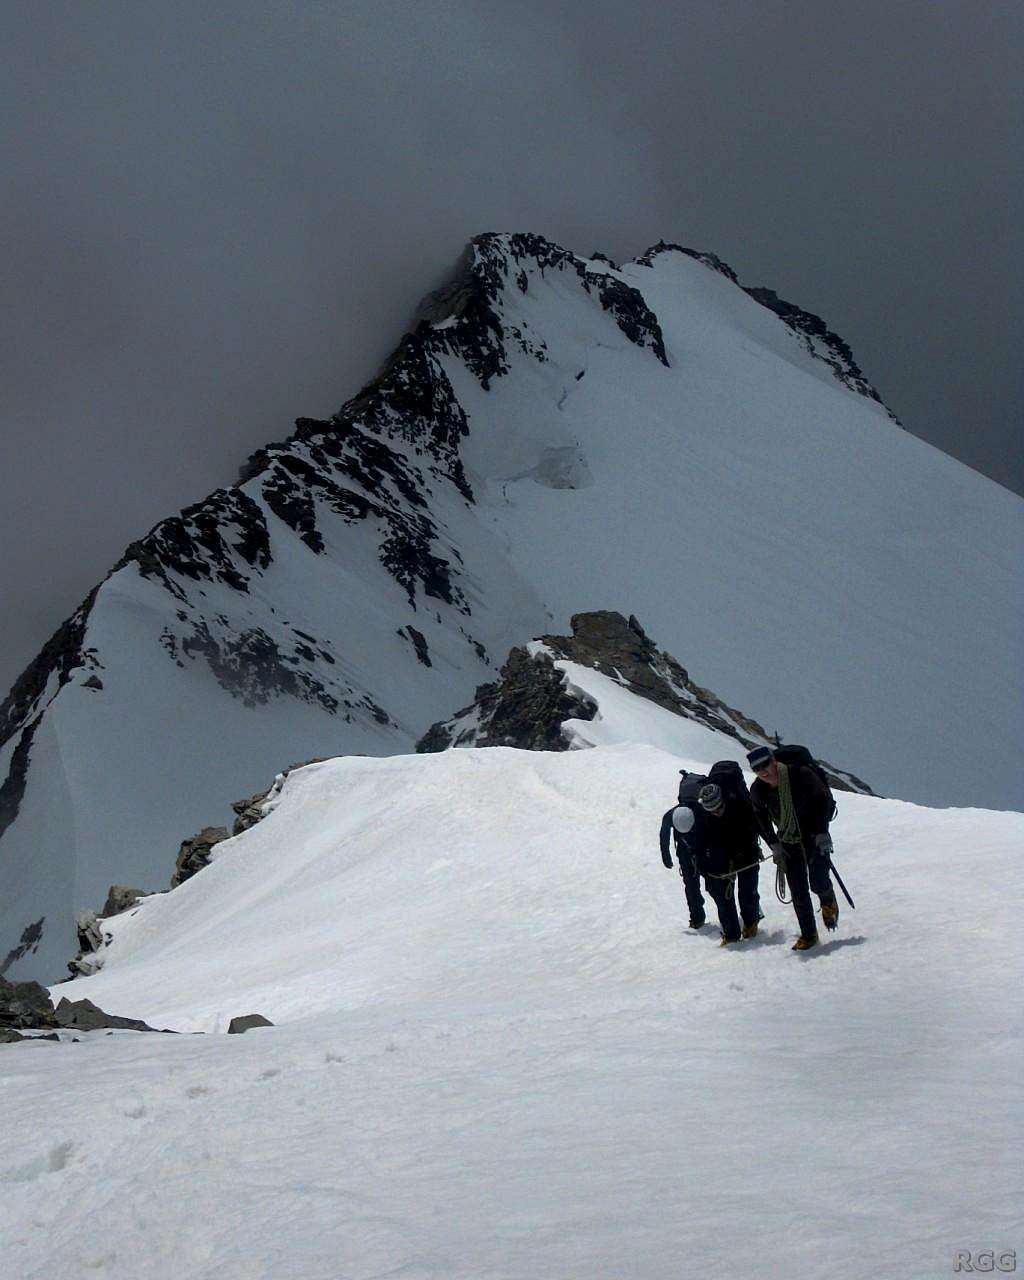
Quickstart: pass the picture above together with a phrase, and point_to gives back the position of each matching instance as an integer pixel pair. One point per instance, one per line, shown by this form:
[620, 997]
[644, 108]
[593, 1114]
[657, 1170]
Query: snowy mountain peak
[470, 318]
[556, 433]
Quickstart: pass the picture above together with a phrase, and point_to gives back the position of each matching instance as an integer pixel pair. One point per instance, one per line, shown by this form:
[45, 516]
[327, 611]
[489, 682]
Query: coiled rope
[780, 884]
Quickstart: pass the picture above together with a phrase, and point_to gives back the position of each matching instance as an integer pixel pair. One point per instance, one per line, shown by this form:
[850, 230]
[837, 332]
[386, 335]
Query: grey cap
[759, 756]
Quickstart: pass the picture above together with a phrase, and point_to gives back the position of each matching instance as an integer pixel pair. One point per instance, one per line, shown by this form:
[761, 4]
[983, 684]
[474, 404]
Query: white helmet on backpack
[683, 819]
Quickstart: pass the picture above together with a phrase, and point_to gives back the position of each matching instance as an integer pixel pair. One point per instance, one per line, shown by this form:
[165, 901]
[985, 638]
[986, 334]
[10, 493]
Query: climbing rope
[780, 877]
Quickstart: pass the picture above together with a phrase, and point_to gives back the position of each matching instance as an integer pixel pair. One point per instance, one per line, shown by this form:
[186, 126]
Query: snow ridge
[496, 1041]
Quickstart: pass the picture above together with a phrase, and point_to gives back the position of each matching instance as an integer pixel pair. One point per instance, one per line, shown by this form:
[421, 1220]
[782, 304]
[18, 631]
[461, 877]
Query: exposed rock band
[717, 824]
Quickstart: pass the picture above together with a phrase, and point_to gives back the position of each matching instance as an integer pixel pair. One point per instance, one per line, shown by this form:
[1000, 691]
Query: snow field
[501, 1054]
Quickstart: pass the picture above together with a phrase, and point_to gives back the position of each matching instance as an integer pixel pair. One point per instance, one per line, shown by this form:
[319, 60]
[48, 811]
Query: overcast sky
[219, 217]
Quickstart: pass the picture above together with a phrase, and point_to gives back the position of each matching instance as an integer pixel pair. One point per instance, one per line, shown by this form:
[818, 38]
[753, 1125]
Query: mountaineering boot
[697, 924]
[728, 942]
[750, 930]
[830, 913]
[805, 944]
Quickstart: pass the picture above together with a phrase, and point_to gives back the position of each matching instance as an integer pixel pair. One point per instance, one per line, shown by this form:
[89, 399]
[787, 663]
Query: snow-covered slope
[558, 434]
[500, 1053]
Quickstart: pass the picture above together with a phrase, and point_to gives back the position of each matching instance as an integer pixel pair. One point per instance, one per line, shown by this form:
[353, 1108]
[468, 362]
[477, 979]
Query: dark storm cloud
[218, 217]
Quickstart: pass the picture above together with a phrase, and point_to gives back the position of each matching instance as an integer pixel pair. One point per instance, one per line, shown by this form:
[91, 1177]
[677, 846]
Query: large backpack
[791, 755]
[728, 775]
[690, 785]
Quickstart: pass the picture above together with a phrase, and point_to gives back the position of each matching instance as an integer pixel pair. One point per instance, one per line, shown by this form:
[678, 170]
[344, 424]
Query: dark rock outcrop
[121, 898]
[238, 1026]
[526, 708]
[22, 709]
[254, 809]
[25, 1004]
[620, 648]
[419, 643]
[83, 1015]
[91, 937]
[91, 940]
[821, 342]
[194, 853]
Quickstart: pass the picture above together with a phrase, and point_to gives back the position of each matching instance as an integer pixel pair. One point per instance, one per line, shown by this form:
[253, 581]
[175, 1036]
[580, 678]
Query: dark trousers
[691, 883]
[804, 872]
[725, 893]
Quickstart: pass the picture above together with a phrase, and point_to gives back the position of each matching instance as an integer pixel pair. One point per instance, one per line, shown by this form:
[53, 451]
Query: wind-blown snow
[500, 1053]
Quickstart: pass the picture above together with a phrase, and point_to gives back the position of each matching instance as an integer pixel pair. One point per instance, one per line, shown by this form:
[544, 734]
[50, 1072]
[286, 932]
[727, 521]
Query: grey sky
[217, 218]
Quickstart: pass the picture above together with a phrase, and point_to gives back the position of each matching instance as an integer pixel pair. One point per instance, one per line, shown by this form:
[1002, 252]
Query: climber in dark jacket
[686, 823]
[732, 847]
[792, 806]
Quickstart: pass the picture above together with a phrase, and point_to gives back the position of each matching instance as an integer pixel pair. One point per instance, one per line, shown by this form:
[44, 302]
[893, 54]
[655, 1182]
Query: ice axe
[839, 882]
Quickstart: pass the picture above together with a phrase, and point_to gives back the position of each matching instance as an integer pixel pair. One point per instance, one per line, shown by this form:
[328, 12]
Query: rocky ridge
[528, 705]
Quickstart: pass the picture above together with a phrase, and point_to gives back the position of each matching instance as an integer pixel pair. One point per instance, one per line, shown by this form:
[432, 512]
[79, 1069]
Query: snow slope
[835, 577]
[557, 435]
[499, 1053]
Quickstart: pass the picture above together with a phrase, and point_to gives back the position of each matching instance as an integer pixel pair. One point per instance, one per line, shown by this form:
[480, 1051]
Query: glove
[824, 844]
[778, 854]
[667, 860]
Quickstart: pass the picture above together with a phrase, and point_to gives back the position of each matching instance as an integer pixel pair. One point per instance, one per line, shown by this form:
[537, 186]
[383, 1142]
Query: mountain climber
[793, 805]
[686, 823]
[732, 858]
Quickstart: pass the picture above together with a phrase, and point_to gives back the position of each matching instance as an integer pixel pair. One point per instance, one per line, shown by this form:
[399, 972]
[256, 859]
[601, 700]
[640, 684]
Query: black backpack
[690, 785]
[791, 755]
[728, 775]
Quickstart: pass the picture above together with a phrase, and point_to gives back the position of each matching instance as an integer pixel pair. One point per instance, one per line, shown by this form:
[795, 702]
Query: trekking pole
[839, 882]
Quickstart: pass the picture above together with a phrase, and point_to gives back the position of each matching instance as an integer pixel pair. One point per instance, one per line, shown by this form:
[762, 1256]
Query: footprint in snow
[52, 1162]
